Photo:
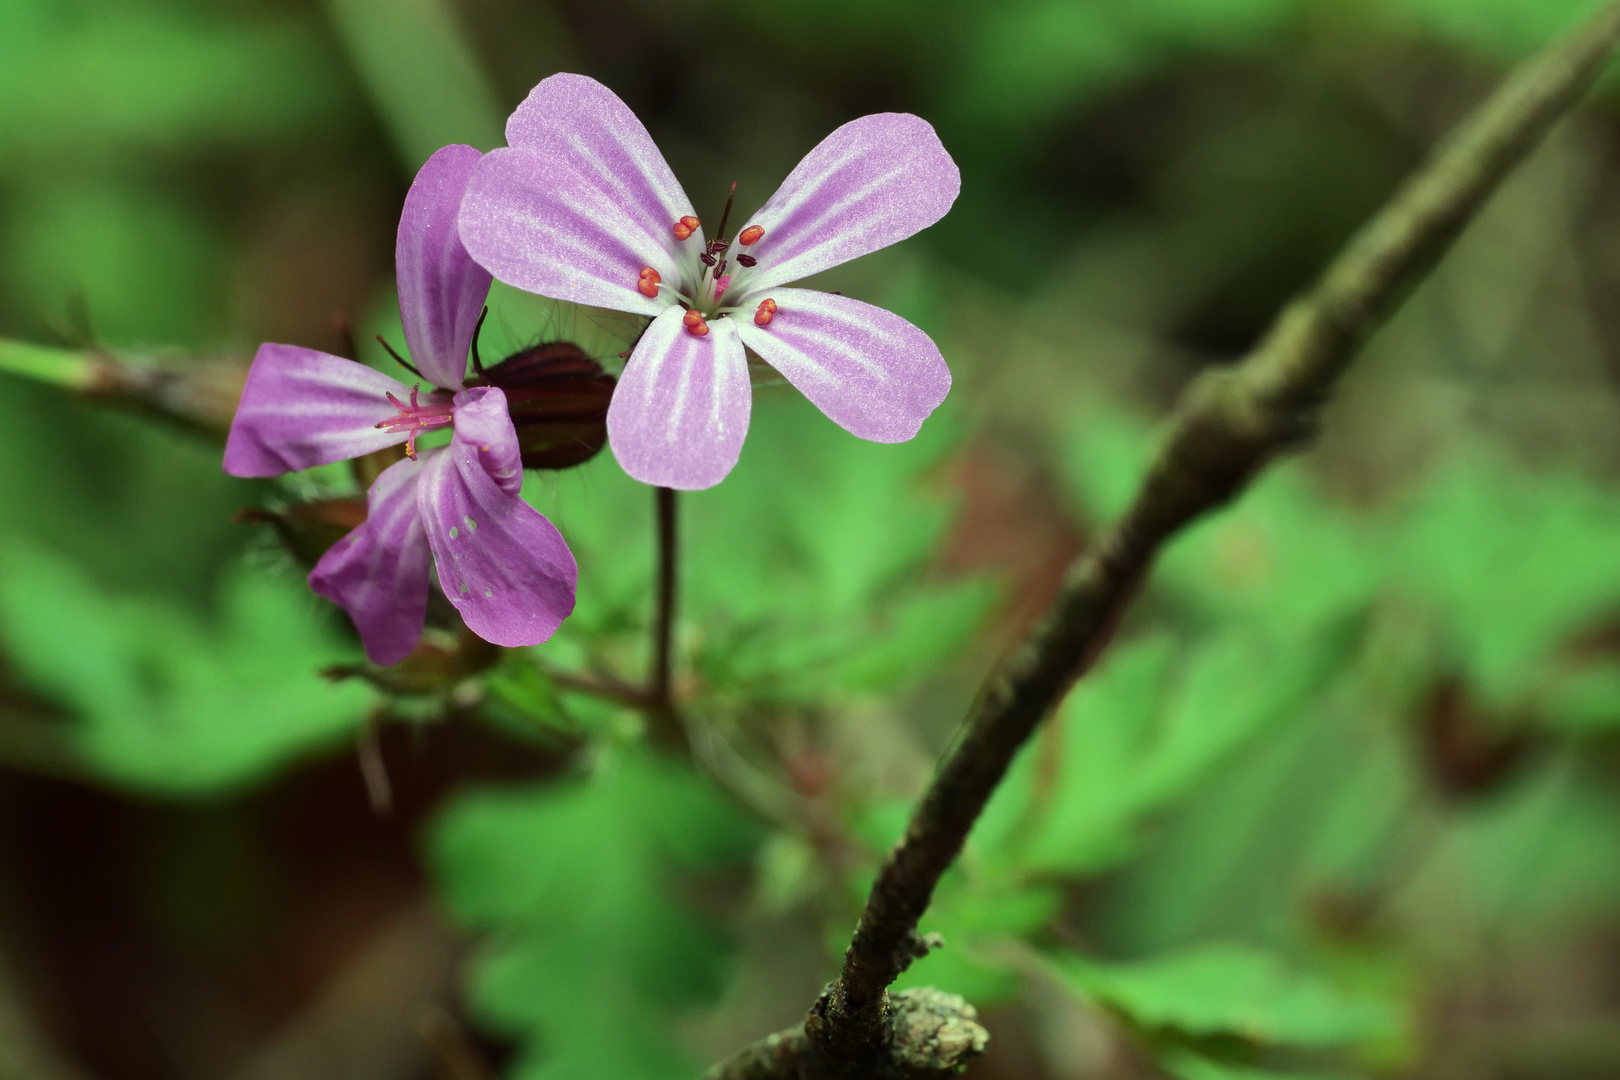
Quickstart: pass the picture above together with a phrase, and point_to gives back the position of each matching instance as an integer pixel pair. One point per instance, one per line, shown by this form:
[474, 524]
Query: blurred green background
[1343, 800]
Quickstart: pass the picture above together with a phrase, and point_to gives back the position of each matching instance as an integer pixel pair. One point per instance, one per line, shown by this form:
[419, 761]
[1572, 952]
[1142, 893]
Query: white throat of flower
[707, 276]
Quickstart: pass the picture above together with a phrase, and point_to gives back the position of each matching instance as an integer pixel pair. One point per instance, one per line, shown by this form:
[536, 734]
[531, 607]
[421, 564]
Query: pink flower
[582, 207]
[501, 563]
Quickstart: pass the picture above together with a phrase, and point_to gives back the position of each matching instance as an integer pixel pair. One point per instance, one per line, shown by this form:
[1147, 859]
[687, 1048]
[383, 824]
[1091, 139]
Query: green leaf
[803, 576]
[422, 74]
[165, 701]
[1186, 1065]
[1512, 565]
[592, 955]
[1138, 734]
[1232, 990]
[144, 265]
[93, 86]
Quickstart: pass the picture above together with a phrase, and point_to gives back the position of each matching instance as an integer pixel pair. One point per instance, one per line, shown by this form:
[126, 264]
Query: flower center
[703, 298]
[417, 417]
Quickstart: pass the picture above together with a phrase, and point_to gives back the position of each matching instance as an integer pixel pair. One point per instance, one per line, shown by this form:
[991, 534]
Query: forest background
[1343, 798]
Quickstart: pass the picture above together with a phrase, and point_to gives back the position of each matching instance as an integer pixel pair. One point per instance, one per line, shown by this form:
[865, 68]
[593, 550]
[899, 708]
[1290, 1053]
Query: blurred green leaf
[1137, 734]
[141, 265]
[422, 74]
[803, 575]
[593, 955]
[1503, 28]
[1513, 565]
[1186, 1065]
[90, 87]
[1232, 990]
[164, 701]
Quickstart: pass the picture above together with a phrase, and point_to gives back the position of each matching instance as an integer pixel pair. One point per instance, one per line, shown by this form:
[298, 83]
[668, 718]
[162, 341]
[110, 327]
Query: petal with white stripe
[579, 120]
[680, 412]
[301, 408]
[483, 422]
[441, 289]
[379, 572]
[536, 222]
[871, 183]
[872, 372]
[502, 564]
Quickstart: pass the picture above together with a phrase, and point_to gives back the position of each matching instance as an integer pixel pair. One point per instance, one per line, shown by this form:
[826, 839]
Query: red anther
[648, 284]
[695, 324]
[765, 313]
[686, 227]
[750, 235]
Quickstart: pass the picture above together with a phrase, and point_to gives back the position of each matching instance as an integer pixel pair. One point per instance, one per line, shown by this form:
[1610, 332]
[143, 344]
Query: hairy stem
[1229, 424]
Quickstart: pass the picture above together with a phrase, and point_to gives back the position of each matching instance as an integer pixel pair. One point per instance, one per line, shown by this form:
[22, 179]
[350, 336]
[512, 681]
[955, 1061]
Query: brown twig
[1229, 425]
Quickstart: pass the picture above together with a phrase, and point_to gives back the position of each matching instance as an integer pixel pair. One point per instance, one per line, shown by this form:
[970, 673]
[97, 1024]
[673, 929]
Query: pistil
[417, 417]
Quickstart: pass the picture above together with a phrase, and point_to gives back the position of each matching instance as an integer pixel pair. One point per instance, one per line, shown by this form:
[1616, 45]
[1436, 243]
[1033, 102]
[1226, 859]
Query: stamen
[750, 235]
[685, 227]
[707, 259]
[747, 261]
[647, 285]
[694, 323]
[766, 312]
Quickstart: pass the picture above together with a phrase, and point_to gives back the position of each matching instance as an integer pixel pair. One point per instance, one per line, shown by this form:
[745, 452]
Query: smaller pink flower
[501, 563]
[581, 206]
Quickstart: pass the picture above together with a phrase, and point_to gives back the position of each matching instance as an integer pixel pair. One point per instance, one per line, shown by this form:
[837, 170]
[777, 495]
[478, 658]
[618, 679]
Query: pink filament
[417, 418]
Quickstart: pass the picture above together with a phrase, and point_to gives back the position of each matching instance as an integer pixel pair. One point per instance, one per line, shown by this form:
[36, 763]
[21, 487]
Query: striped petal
[579, 120]
[301, 408]
[379, 572]
[441, 289]
[502, 564]
[483, 422]
[680, 412]
[871, 183]
[537, 223]
[869, 370]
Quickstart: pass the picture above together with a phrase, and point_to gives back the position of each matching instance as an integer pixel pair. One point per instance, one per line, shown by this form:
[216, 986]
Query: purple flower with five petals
[501, 563]
[581, 206]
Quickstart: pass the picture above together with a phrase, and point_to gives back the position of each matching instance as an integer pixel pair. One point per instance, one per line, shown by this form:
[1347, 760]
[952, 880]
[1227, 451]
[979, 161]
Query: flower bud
[558, 398]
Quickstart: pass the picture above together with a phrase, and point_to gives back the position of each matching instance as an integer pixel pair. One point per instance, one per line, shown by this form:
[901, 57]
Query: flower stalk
[662, 711]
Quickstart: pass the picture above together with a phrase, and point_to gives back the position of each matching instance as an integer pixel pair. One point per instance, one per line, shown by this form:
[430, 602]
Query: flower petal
[537, 223]
[579, 120]
[301, 408]
[379, 572]
[869, 370]
[501, 563]
[871, 183]
[680, 412]
[441, 289]
[482, 422]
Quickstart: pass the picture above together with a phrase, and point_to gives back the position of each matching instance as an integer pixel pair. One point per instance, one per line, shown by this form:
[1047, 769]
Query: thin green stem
[70, 369]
